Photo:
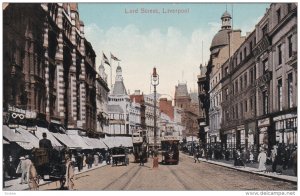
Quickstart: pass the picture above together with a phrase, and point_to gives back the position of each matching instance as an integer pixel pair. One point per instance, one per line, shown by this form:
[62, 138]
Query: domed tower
[119, 76]
[221, 38]
[226, 20]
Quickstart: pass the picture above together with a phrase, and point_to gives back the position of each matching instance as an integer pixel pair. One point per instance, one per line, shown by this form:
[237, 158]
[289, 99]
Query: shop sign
[167, 138]
[242, 127]
[264, 122]
[286, 116]
[55, 121]
[20, 113]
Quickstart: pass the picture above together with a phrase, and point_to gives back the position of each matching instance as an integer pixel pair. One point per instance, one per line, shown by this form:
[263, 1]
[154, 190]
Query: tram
[170, 149]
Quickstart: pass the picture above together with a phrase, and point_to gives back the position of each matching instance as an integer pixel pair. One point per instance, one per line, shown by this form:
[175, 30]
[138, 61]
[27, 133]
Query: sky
[171, 42]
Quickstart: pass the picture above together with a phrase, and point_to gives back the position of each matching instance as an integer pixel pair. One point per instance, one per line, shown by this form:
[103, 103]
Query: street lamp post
[155, 82]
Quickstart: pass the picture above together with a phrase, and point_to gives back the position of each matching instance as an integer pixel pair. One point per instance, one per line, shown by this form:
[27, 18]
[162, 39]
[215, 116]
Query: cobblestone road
[185, 176]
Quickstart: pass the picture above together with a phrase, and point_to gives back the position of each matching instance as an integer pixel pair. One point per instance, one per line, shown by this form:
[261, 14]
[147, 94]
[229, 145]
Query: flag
[114, 58]
[105, 59]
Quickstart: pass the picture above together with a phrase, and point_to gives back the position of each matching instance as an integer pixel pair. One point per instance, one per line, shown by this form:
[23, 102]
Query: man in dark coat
[45, 143]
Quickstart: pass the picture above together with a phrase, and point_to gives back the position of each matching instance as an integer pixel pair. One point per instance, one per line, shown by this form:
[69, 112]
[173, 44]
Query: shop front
[263, 126]
[286, 129]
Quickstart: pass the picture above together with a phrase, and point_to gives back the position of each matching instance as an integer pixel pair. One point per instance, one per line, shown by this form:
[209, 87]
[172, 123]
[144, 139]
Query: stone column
[46, 45]
[82, 95]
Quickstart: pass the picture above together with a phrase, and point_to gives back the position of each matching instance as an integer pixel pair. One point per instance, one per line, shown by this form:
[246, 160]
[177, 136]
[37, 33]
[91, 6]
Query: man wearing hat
[45, 143]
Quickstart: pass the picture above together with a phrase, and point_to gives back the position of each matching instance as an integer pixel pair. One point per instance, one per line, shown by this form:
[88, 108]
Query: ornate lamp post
[155, 82]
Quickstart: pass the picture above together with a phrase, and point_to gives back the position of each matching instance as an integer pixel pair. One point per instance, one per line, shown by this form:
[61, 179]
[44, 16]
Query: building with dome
[223, 45]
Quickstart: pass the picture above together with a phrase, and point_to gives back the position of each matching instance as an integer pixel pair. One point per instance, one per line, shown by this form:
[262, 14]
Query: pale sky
[170, 42]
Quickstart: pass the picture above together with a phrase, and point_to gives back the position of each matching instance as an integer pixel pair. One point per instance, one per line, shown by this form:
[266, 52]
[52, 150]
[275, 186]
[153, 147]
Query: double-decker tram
[170, 149]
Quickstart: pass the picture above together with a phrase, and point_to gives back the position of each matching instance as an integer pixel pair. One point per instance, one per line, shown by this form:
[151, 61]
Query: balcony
[264, 79]
[261, 46]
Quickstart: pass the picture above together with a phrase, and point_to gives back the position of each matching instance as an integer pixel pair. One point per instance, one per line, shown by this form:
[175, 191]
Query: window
[246, 107]
[265, 102]
[279, 88]
[226, 71]
[241, 110]
[290, 46]
[278, 13]
[251, 46]
[251, 104]
[236, 86]
[265, 66]
[227, 93]
[279, 54]
[290, 90]
[251, 76]
[245, 79]
[236, 111]
[265, 30]
[241, 57]
[245, 52]
[241, 83]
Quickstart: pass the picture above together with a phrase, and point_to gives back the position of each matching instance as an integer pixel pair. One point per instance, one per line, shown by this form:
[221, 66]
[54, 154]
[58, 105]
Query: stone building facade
[223, 45]
[49, 66]
[258, 85]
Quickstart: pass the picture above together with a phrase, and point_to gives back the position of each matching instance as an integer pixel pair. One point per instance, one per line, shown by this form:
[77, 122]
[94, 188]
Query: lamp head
[154, 74]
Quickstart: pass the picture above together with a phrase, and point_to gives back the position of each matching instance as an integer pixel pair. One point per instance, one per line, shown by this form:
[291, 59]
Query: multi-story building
[203, 97]
[102, 101]
[119, 107]
[256, 114]
[276, 62]
[223, 45]
[48, 65]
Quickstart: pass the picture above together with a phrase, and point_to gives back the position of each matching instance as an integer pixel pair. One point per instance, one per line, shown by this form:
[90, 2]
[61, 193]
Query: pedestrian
[294, 161]
[262, 159]
[33, 179]
[79, 162]
[69, 174]
[84, 160]
[274, 158]
[90, 161]
[96, 159]
[21, 169]
[251, 157]
[10, 167]
[141, 158]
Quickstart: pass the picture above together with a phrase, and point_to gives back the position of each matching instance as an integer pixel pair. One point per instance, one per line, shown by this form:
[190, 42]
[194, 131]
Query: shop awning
[79, 140]
[12, 135]
[118, 141]
[39, 134]
[95, 143]
[4, 141]
[66, 140]
[29, 137]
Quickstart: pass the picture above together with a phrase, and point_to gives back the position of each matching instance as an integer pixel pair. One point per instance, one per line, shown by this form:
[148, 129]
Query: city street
[185, 176]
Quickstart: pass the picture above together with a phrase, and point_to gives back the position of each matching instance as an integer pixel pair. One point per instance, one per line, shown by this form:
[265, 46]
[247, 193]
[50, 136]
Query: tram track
[178, 179]
[121, 177]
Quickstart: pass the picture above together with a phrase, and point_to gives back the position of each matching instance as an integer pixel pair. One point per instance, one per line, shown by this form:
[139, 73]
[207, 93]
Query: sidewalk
[13, 185]
[287, 175]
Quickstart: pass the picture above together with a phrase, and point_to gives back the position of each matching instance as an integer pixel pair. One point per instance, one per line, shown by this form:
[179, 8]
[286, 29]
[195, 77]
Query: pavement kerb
[291, 179]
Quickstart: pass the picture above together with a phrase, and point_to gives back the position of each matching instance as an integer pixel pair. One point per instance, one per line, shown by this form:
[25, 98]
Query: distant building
[102, 101]
[190, 112]
[119, 107]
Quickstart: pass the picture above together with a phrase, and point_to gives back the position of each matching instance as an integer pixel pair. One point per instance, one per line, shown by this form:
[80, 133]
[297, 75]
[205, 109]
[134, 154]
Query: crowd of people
[23, 167]
[281, 155]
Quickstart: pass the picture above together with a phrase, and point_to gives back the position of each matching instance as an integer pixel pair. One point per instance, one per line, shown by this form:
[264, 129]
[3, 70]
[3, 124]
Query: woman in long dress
[262, 159]
[69, 174]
